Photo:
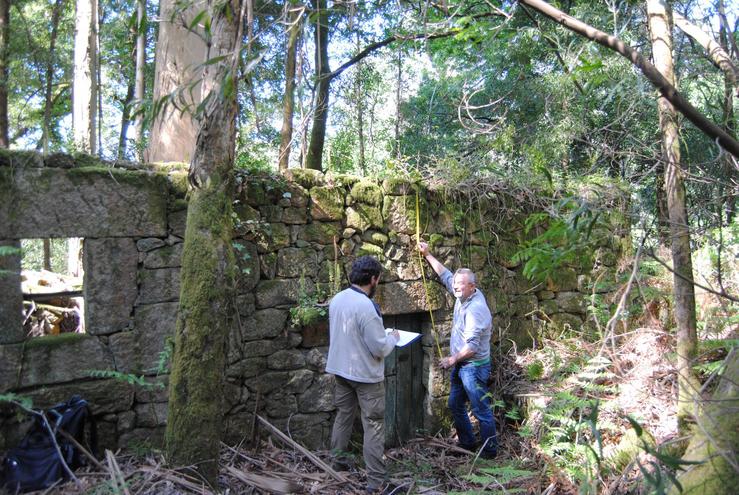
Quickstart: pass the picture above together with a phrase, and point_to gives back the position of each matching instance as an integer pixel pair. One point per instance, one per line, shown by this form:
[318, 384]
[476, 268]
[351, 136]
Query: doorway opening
[405, 392]
[52, 286]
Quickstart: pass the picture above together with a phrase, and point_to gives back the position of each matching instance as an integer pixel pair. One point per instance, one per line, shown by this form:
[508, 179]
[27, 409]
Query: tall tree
[196, 389]
[314, 160]
[84, 87]
[659, 19]
[180, 51]
[4, 48]
[49, 82]
[294, 26]
[139, 87]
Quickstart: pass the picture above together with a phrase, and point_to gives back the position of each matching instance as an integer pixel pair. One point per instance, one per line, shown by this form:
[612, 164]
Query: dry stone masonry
[296, 236]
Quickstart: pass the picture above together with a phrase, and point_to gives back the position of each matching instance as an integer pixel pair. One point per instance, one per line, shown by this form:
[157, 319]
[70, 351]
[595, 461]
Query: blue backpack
[35, 464]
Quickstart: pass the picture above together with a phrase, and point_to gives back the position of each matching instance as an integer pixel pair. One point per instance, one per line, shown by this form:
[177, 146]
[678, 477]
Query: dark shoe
[488, 454]
[471, 447]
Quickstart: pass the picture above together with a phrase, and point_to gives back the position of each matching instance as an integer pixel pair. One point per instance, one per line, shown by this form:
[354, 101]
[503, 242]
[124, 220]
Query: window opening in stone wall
[52, 286]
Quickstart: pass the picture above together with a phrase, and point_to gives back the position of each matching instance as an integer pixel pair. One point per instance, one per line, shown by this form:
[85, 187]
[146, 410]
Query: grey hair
[466, 271]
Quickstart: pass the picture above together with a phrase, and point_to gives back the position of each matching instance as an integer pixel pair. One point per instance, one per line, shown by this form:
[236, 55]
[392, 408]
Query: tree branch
[667, 90]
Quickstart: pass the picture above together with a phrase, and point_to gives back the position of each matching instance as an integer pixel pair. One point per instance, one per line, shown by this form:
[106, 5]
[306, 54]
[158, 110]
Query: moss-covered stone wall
[296, 237]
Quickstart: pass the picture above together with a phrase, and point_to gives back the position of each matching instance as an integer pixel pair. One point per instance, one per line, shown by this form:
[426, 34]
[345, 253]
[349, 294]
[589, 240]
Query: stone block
[151, 415]
[267, 382]
[367, 192]
[316, 358]
[247, 263]
[299, 380]
[564, 280]
[104, 396]
[89, 202]
[155, 391]
[297, 262]
[11, 358]
[247, 368]
[137, 351]
[399, 213]
[110, 284]
[567, 322]
[56, 359]
[271, 237]
[272, 293]
[319, 397]
[280, 404]
[523, 305]
[286, 360]
[409, 297]
[265, 324]
[271, 213]
[318, 232]
[313, 431]
[11, 298]
[160, 285]
[177, 223]
[327, 203]
[363, 217]
[164, 257]
[149, 243]
[295, 216]
[571, 302]
[146, 438]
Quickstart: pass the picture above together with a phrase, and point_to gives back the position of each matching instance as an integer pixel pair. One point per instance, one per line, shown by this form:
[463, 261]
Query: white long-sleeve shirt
[358, 344]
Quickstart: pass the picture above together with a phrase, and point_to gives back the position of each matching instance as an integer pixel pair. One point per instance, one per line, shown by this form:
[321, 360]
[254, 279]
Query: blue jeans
[469, 383]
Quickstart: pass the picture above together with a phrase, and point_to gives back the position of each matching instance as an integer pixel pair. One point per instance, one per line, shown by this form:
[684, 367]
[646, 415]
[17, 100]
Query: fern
[130, 378]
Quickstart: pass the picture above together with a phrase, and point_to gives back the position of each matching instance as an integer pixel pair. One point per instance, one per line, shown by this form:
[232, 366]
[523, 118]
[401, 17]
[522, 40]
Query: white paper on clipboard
[405, 337]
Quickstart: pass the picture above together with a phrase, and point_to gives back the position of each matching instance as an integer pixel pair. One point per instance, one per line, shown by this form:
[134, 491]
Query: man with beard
[356, 356]
[469, 358]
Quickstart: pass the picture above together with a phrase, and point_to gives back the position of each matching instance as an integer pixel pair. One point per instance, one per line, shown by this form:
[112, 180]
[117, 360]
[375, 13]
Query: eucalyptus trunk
[4, 41]
[139, 87]
[84, 86]
[196, 388]
[294, 16]
[314, 159]
[180, 51]
[49, 77]
[683, 291]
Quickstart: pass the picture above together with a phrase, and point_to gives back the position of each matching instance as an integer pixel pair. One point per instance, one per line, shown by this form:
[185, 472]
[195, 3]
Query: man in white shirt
[356, 355]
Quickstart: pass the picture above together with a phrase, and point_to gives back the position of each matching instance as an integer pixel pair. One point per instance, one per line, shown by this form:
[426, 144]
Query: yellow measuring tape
[423, 275]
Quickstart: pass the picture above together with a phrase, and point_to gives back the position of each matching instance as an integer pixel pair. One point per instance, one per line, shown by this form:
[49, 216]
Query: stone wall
[292, 234]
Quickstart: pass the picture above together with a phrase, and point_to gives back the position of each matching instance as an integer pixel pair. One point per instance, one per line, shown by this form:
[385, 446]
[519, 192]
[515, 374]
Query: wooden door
[404, 390]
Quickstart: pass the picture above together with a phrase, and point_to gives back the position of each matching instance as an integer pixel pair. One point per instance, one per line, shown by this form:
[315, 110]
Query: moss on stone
[305, 177]
[367, 248]
[20, 159]
[85, 160]
[56, 341]
[178, 204]
[367, 192]
[327, 203]
[378, 238]
[178, 184]
[435, 240]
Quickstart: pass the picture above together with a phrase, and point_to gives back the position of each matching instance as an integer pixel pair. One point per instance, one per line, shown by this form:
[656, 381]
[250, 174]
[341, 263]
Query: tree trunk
[139, 87]
[683, 291]
[73, 256]
[716, 439]
[727, 194]
[314, 159]
[4, 44]
[46, 245]
[125, 120]
[398, 88]
[294, 18]
[358, 97]
[177, 81]
[84, 86]
[196, 388]
[49, 82]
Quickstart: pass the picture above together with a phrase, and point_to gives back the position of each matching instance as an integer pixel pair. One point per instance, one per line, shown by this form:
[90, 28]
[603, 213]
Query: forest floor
[639, 381]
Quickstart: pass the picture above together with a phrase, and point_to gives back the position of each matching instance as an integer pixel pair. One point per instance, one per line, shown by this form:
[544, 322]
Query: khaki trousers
[371, 400]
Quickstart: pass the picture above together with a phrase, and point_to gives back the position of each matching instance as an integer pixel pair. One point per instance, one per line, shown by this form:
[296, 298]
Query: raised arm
[435, 264]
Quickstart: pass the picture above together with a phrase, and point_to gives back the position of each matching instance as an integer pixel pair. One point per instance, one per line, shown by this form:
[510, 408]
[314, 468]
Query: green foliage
[243, 255]
[307, 310]
[33, 254]
[535, 370]
[23, 402]
[130, 378]
[565, 239]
